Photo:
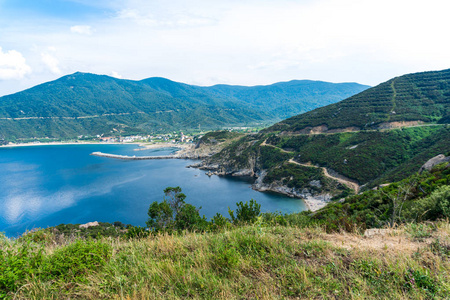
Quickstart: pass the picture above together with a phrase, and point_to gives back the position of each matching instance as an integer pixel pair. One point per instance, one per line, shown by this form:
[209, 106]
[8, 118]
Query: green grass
[249, 262]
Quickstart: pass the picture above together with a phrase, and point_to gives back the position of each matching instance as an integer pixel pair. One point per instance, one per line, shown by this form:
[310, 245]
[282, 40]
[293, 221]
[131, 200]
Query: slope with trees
[89, 104]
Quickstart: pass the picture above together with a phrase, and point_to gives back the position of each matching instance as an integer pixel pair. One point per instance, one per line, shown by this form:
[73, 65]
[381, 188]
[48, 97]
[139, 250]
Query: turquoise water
[43, 186]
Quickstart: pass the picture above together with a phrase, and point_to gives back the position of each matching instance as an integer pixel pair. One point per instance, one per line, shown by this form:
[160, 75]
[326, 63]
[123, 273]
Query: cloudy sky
[206, 42]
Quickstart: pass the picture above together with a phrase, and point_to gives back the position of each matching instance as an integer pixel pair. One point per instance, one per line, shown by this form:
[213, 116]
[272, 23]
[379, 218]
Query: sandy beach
[142, 146]
[161, 145]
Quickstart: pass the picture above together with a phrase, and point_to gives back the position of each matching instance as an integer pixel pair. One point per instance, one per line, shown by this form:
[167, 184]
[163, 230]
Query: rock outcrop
[441, 158]
[90, 224]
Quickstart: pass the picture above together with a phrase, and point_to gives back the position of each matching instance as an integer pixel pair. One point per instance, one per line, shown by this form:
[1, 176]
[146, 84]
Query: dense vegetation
[413, 97]
[370, 153]
[369, 158]
[420, 197]
[219, 136]
[249, 255]
[88, 104]
[366, 156]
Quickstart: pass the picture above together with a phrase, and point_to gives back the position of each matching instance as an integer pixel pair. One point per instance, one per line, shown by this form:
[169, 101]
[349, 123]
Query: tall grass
[248, 262]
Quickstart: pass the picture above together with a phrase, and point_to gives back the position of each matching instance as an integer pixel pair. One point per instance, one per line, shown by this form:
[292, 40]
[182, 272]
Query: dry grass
[257, 262]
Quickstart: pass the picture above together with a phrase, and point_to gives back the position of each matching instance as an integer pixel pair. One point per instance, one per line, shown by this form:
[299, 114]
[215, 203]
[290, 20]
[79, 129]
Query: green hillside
[282, 155]
[91, 104]
[285, 99]
[422, 97]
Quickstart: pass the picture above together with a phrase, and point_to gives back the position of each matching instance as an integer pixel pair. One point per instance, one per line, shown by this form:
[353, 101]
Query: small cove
[43, 186]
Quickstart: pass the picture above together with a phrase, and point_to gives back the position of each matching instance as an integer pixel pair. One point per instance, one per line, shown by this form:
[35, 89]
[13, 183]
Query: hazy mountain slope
[84, 103]
[285, 99]
[423, 97]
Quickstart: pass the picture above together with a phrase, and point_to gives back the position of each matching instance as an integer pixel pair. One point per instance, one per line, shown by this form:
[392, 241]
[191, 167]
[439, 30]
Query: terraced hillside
[381, 135]
[402, 101]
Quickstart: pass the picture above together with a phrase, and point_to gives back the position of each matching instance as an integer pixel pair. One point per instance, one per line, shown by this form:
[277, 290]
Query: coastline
[142, 146]
[311, 204]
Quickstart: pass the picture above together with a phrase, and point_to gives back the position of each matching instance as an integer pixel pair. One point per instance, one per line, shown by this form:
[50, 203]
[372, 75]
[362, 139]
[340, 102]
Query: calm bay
[43, 186]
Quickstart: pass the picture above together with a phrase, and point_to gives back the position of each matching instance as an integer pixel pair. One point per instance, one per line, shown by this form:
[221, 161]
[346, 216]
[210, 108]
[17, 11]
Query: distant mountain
[84, 103]
[413, 98]
[282, 99]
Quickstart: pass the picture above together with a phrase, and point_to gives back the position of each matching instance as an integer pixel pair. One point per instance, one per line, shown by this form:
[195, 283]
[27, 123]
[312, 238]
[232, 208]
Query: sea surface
[42, 186]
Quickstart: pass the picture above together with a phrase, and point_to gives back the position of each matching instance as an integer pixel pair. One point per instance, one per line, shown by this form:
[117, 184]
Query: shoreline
[310, 205]
[142, 146]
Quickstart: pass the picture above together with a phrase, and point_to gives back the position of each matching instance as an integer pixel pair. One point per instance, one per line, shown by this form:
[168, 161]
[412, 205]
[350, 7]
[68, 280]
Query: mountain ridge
[156, 104]
[416, 97]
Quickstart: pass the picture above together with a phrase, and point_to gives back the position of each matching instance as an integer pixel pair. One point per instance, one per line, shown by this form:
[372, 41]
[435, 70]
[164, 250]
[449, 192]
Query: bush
[18, 264]
[419, 279]
[137, 232]
[434, 206]
[274, 218]
[419, 231]
[188, 218]
[74, 261]
[225, 257]
[245, 213]
[37, 236]
[219, 222]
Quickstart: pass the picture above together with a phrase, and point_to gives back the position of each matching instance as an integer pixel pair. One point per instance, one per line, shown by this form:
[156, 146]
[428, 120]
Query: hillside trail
[269, 145]
[351, 184]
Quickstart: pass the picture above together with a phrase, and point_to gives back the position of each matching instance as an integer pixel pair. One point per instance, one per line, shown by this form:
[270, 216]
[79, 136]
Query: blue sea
[42, 186]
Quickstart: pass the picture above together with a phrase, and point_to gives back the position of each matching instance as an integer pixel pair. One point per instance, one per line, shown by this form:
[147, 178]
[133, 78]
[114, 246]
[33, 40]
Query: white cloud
[116, 75]
[81, 29]
[13, 65]
[237, 41]
[51, 62]
[164, 22]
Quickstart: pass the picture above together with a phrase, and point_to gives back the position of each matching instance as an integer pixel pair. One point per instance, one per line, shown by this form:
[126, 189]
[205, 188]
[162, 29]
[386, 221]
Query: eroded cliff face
[227, 167]
[245, 161]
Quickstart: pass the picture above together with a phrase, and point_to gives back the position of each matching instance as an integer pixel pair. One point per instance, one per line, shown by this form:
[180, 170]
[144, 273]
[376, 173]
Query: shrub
[274, 218]
[76, 260]
[188, 218]
[137, 232]
[174, 213]
[225, 257]
[245, 212]
[420, 279]
[419, 231]
[18, 264]
[36, 235]
[218, 222]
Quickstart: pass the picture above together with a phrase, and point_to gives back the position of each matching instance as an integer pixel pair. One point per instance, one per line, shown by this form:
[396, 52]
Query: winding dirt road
[348, 182]
[351, 184]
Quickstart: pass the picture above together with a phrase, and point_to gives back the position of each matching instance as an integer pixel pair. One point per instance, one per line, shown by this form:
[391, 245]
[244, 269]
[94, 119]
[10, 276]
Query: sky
[207, 42]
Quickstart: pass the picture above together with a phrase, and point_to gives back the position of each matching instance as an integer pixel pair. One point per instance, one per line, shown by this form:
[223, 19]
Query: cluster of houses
[171, 138]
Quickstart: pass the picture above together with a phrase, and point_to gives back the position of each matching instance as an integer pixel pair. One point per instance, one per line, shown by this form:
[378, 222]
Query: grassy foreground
[248, 262]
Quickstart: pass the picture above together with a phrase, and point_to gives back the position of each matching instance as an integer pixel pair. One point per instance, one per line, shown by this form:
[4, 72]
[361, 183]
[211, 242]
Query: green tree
[246, 212]
[174, 213]
[176, 198]
[161, 216]
[189, 218]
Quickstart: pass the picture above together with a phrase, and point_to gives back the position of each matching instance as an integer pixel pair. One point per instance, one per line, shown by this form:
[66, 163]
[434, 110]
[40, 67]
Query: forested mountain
[84, 103]
[413, 98]
[381, 135]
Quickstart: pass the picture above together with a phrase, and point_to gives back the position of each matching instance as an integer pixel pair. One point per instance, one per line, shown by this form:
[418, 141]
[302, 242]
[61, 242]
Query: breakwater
[134, 157]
